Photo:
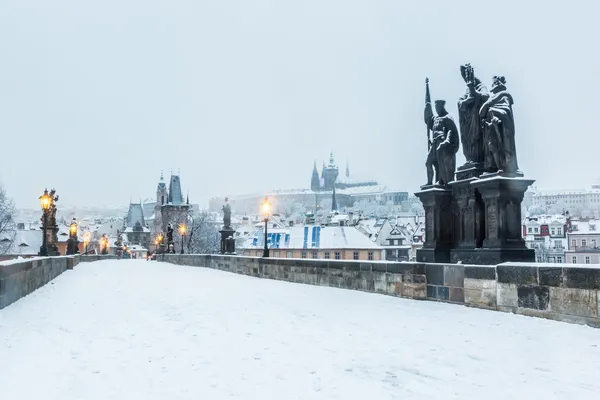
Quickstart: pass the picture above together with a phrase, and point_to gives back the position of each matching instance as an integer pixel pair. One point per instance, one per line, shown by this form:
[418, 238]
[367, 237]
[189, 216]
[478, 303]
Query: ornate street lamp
[104, 245]
[266, 209]
[86, 240]
[45, 201]
[73, 229]
[72, 243]
[182, 229]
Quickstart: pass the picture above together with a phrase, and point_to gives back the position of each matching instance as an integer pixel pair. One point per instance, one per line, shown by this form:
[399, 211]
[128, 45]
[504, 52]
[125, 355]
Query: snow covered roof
[585, 226]
[557, 219]
[312, 237]
[135, 215]
[130, 229]
[26, 242]
[175, 194]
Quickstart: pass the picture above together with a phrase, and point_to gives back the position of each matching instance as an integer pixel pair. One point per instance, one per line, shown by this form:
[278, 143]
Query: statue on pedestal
[443, 144]
[471, 129]
[169, 234]
[498, 122]
[226, 214]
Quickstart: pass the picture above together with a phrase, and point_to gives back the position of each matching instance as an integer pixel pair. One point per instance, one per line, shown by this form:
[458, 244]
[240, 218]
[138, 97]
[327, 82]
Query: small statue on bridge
[170, 235]
[226, 214]
[443, 142]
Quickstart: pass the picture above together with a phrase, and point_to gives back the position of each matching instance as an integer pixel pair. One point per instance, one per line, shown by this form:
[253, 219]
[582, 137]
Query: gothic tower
[315, 182]
[161, 199]
[330, 174]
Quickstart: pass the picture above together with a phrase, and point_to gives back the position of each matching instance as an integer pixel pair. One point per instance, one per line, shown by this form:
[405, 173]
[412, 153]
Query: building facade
[547, 235]
[318, 242]
[583, 241]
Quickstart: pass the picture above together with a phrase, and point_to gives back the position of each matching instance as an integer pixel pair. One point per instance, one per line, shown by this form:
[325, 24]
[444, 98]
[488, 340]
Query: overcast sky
[97, 97]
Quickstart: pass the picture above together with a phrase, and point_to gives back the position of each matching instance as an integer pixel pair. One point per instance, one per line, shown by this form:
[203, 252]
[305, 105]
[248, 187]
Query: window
[315, 255]
[303, 254]
[355, 255]
[290, 254]
[593, 242]
[529, 230]
[536, 230]
[558, 244]
[276, 254]
[553, 231]
[559, 259]
[574, 259]
[371, 255]
[559, 231]
[574, 242]
[587, 259]
[337, 255]
[583, 242]
[326, 255]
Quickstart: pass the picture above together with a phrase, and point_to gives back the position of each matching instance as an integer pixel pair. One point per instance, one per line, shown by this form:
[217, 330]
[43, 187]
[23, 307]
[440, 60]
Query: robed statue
[497, 120]
[169, 234]
[471, 128]
[226, 214]
[443, 142]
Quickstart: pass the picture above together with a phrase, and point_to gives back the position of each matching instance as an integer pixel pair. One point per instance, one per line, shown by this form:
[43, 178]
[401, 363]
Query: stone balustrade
[20, 277]
[564, 292]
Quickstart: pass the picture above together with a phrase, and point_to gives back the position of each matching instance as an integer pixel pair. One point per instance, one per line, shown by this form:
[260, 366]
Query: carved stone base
[226, 245]
[469, 216]
[492, 256]
[437, 202]
[471, 170]
[502, 196]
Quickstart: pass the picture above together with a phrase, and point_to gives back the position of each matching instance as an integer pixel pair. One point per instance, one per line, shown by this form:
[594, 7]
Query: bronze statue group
[487, 131]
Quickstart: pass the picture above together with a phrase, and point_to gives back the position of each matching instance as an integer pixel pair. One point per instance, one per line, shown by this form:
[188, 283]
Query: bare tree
[203, 237]
[7, 223]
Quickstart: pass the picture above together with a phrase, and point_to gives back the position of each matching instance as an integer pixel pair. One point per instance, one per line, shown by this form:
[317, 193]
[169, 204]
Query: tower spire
[347, 168]
[333, 200]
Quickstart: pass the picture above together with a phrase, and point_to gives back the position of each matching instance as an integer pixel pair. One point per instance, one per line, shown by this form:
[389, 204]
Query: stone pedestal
[469, 218]
[226, 247]
[52, 240]
[437, 202]
[502, 196]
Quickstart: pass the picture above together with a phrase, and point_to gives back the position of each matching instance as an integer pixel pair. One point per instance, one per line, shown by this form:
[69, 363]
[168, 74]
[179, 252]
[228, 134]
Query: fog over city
[243, 96]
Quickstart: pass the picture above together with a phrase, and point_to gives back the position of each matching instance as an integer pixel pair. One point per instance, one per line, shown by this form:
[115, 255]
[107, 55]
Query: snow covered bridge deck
[148, 330]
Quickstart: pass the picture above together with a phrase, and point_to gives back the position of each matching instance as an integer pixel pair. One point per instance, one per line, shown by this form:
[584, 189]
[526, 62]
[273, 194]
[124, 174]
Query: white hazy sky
[96, 97]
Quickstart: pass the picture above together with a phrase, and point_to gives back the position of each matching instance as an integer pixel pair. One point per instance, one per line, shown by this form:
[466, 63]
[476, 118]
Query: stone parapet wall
[18, 278]
[564, 292]
[395, 279]
[97, 257]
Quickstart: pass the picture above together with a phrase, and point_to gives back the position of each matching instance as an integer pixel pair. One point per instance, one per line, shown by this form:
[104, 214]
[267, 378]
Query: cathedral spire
[333, 201]
[315, 183]
[347, 169]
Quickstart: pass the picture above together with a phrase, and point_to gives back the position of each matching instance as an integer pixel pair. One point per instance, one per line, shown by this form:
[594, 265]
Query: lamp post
[86, 241]
[72, 243]
[104, 245]
[182, 229]
[45, 201]
[266, 208]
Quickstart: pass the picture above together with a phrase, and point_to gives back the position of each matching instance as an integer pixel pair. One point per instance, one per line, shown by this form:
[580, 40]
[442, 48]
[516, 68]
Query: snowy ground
[147, 330]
